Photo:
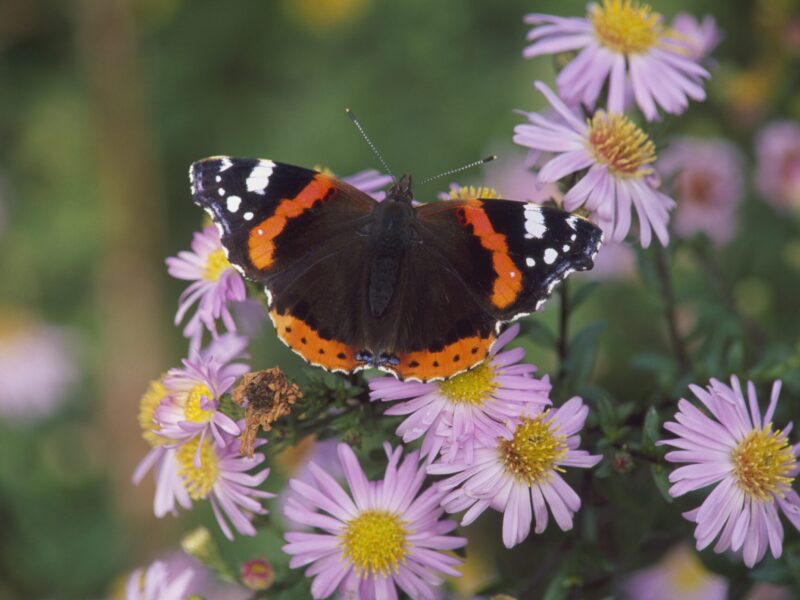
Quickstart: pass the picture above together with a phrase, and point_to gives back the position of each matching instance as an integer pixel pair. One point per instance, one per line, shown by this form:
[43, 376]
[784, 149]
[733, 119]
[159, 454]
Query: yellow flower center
[193, 410]
[762, 462]
[150, 401]
[471, 387]
[469, 191]
[618, 143]
[626, 27]
[198, 481]
[531, 454]
[375, 542]
[216, 264]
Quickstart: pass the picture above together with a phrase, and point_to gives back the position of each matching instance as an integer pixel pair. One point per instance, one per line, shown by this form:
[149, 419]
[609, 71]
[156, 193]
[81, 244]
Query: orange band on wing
[508, 283]
[329, 354]
[458, 356]
[261, 244]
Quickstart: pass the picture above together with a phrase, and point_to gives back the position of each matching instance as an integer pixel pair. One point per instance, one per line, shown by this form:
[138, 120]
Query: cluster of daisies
[490, 437]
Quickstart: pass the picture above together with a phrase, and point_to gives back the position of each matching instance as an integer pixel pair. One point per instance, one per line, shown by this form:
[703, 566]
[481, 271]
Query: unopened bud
[257, 574]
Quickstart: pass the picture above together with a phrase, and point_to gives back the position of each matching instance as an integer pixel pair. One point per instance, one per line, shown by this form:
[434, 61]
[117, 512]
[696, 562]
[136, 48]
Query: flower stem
[668, 295]
[562, 344]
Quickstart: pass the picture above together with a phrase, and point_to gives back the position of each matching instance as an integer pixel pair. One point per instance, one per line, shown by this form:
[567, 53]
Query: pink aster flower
[619, 158]
[700, 37]
[37, 370]
[382, 536]
[370, 182]
[178, 577]
[625, 44]
[215, 284]
[219, 476]
[778, 164]
[193, 393]
[468, 409]
[518, 474]
[679, 574]
[734, 448]
[706, 179]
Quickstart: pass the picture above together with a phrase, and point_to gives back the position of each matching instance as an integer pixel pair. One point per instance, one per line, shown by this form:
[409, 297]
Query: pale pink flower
[679, 574]
[519, 474]
[370, 182]
[468, 409]
[619, 158]
[778, 164]
[705, 176]
[699, 37]
[215, 285]
[732, 447]
[625, 44]
[382, 536]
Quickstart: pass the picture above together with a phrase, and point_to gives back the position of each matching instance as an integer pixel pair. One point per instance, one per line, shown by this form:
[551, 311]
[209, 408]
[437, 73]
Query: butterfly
[418, 291]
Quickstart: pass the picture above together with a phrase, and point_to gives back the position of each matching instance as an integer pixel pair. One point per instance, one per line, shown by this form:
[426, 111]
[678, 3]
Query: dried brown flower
[267, 396]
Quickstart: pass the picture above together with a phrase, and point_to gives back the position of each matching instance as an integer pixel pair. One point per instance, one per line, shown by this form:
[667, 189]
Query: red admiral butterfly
[417, 291]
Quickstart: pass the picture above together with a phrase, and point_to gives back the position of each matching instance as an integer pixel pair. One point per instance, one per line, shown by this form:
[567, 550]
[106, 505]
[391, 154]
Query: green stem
[668, 296]
[562, 344]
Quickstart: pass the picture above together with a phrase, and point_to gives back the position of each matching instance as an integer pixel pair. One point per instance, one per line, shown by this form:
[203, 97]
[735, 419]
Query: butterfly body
[417, 291]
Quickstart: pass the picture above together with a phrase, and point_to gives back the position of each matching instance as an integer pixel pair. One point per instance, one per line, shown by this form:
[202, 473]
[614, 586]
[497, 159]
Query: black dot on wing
[457, 358]
[436, 363]
[341, 355]
[288, 330]
[321, 351]
[413, 364]
[303, 340]
[474, 350]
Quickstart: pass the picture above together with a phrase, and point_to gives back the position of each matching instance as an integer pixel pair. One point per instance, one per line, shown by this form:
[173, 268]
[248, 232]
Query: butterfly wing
[483, 262]
[294, 230]
[525, 249]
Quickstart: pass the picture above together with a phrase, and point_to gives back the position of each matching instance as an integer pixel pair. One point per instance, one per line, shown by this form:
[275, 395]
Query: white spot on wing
[550, 256]
[258, 180]
[248, 216]
[233, 203]
[218, 178]
[225, 164]
[221, 191]
[565, 248]
[534, 222]
[530, 261]
[573, 222]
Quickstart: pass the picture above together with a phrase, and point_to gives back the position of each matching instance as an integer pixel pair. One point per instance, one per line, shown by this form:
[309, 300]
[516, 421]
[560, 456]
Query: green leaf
[661, 481]
[583, 293]
[651, 431]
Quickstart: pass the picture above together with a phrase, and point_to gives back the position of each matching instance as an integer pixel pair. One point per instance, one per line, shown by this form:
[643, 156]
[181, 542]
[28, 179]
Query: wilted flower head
[619, 157]
[625, 43]
[778, 164]
[751, 466]
[382, 536]
[705, 176]
[215, 284]
[468, 409]
[679, 574]
[518, 474]
[37, 369]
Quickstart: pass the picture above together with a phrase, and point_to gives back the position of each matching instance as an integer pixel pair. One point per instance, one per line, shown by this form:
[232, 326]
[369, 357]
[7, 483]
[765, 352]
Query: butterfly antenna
[369, 141]
[483, 161]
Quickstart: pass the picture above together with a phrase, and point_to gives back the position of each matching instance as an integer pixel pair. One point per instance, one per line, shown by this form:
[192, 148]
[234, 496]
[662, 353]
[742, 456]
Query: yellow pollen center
[762, 462]
[469, 191]
[618, 143]
[530, 456]
[626, 27]
[150, 401]
[193, 410]
[216, 264]
[471, 387]
[198, 481]
[375, 542]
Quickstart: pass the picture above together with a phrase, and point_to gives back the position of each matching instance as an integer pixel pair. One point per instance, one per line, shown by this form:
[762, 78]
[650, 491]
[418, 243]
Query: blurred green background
[105, 103]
